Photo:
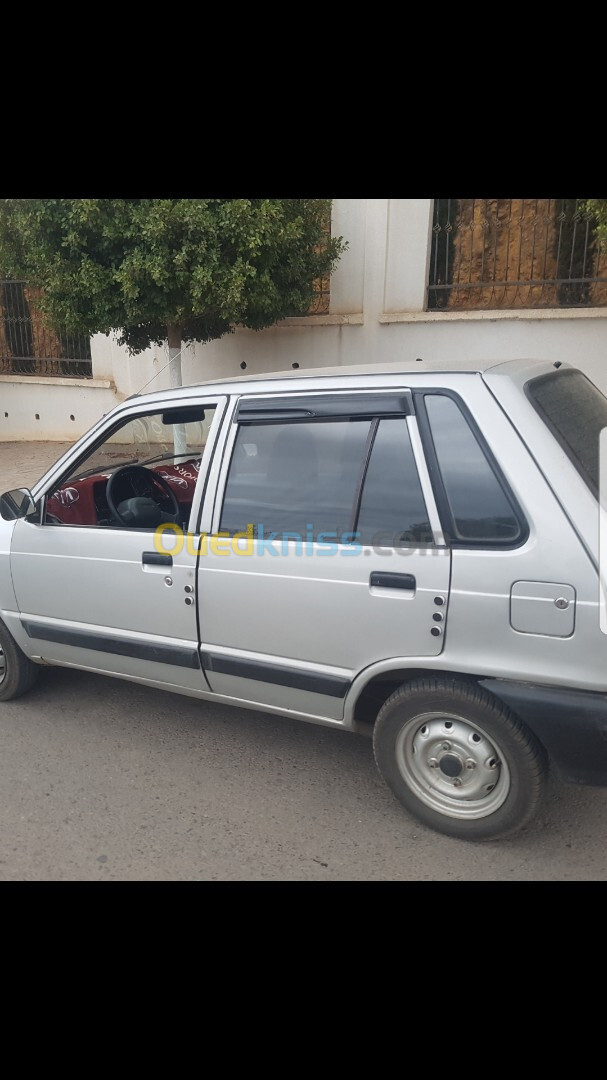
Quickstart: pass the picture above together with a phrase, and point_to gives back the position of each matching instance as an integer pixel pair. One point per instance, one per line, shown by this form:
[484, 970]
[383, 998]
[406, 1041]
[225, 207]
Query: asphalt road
[106, 780]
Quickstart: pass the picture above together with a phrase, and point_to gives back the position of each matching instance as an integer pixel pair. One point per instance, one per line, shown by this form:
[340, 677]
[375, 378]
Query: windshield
[576, 413]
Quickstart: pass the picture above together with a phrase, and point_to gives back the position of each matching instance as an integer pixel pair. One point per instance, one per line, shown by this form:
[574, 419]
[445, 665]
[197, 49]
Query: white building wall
[48, 409]
[378, 295]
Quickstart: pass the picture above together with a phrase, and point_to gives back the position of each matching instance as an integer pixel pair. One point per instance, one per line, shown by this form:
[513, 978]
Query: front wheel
[458, 760]
[17, 672]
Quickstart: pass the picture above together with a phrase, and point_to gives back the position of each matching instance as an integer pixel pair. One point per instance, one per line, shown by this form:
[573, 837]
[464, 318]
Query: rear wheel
[458, 760]
[17, 672]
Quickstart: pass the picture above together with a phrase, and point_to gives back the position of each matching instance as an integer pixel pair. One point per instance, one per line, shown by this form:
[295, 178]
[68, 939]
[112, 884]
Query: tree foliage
[148, 269]
[598, 208]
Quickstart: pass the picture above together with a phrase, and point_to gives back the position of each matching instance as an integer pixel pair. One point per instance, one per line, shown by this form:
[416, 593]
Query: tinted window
[576, 412]
[392, 509]
[478, 503]
[288, 477]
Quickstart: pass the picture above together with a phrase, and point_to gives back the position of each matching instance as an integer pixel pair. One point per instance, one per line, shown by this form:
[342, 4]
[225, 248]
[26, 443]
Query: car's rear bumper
[571, 724]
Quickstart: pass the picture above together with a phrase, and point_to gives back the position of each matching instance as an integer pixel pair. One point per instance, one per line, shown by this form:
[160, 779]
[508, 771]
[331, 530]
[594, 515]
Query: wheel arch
[377, 683]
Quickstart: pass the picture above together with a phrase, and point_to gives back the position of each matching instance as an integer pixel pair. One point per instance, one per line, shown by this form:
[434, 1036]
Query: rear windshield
[576, 412]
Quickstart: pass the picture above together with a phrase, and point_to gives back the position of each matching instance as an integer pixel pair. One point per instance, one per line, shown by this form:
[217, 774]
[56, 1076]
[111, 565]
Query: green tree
[598, 208]
[176, 270]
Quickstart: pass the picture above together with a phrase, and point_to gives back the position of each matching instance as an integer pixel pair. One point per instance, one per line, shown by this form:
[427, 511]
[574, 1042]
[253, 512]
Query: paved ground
[104, 780]
[22, 463]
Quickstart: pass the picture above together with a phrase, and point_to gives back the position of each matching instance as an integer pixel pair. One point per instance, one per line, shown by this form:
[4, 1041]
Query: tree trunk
[174, 337]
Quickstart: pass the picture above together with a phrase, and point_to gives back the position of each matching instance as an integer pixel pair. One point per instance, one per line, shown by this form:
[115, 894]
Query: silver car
[412, 554]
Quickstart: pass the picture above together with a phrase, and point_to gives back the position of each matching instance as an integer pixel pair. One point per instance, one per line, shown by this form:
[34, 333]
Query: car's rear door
[343, 562]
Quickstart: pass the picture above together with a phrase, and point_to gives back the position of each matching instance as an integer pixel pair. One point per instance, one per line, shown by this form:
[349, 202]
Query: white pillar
[408, 255]
[101, 356]
[347, 283]
[376, 233]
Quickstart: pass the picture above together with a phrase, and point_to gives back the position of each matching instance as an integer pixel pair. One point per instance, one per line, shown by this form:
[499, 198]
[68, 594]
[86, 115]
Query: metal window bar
[29, 346]
[515, 253]
[320, 303]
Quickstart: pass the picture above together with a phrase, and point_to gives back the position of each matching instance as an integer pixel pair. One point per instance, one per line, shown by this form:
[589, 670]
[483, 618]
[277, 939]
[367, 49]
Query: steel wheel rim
[2, 665]
[452, 765]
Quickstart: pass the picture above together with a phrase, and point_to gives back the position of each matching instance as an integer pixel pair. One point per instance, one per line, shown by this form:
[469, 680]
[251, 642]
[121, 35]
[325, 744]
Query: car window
[295, 478]
[576, 412]
[392, 509]
[168, 450]
[480, 509]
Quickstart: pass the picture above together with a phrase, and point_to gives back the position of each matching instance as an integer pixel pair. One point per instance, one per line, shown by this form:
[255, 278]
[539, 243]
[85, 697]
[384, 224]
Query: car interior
[145, 474]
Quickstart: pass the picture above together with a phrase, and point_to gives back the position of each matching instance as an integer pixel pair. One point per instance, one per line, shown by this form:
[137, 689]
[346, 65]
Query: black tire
[426, 762]
[17, 672]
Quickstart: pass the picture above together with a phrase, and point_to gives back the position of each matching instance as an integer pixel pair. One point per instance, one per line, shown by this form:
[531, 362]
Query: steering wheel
[152, 480]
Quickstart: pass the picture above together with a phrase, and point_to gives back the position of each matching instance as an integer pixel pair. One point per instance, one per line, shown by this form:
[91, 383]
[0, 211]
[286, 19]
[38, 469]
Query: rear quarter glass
[575, 411]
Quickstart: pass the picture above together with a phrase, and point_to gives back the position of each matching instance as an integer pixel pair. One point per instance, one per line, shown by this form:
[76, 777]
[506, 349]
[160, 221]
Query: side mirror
[18, 503]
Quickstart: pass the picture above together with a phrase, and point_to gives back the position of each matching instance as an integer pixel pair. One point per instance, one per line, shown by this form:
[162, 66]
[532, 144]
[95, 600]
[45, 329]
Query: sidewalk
[22, 463]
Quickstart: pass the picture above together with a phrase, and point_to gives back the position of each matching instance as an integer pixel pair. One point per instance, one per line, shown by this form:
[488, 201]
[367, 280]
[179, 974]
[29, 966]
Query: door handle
[392, 581]
[153, 558]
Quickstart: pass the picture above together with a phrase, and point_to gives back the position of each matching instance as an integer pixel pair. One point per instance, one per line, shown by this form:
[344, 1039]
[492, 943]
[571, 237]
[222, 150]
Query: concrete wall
[50, 409]
[378, 296]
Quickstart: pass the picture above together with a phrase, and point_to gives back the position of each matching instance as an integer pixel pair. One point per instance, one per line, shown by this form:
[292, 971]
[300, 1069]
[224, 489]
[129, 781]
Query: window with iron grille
[322, 297]
[515, 253]
[29, 346]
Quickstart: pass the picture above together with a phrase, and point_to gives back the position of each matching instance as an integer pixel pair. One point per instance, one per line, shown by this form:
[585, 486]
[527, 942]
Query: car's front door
[344, 563]
[92, 589]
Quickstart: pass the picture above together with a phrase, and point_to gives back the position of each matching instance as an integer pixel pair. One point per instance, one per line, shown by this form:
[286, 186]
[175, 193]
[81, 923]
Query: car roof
[270, 382]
